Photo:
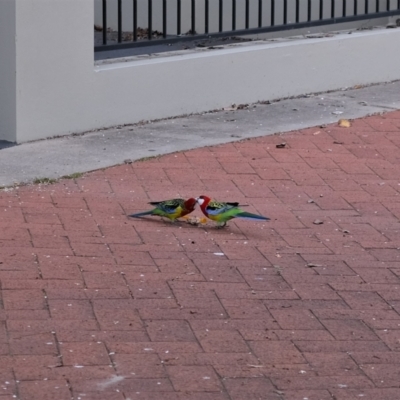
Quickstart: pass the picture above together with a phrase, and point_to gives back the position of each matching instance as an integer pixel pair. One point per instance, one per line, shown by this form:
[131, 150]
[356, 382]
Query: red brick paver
[98, 306]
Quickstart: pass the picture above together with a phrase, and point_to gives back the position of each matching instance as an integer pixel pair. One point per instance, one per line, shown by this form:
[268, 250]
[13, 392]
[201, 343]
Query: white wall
[61, 91]
[7, 71]
[199, 82]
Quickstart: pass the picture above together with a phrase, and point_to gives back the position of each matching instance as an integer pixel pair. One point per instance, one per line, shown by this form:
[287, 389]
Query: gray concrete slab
[54, 158]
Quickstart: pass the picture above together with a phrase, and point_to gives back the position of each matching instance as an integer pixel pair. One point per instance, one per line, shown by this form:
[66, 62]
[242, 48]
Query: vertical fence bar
[247, 13]
[309, 11]
[332, 8]
[150, 19]
[273, 12]
[321, 9]
[388, 5]
[398, 4]
[206, 16]
[344, 8]
[134, 20]
[164, 18]
[233, 15]
[297, 10]
[178, 16]
[260, 13]
[377, 5]
[104, 21]
[220, 15]
[284, 12]
[366, 7]
[355, 7]
[119, 21]
[193, 17]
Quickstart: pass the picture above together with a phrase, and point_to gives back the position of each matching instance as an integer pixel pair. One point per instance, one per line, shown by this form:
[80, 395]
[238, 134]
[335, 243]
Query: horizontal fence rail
[137, 23]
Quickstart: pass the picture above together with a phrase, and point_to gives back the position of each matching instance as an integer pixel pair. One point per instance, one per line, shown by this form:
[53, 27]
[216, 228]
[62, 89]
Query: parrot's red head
[203, 201]
[190, 204]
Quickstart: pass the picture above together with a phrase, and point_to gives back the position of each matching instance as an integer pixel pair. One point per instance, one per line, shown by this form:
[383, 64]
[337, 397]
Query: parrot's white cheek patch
[200, 201]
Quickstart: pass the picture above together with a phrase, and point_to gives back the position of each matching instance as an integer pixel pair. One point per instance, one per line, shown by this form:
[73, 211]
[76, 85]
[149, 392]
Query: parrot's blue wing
[168, 206]
[216, 208]
[168, 209]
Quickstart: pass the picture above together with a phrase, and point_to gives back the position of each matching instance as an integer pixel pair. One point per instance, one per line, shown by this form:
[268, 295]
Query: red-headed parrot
[223, 212]
[171, 209]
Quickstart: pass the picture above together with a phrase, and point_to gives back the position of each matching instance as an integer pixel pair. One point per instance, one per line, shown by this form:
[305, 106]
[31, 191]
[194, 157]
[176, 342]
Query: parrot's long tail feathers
[141, 214]
[248, 215]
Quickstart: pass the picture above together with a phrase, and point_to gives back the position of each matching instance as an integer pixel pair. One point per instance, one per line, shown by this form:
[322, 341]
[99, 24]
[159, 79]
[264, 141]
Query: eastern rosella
[171, 209]
[223, 212]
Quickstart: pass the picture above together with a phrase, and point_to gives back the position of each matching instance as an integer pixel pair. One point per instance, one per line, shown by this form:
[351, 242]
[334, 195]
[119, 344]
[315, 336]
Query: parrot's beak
[199, 200]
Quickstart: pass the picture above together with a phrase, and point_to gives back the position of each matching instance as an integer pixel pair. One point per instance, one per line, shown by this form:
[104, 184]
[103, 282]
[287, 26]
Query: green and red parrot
[171, 209]
[223, 212]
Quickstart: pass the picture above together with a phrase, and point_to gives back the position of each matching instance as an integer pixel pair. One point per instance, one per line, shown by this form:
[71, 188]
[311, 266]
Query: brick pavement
[96, 306]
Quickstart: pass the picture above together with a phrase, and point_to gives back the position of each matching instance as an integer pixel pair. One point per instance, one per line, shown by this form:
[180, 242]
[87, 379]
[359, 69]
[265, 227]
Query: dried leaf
[233, 107]
[316, 133]
[312, 265]
[344, 123]
[337, 142]
[318, 222]
[337, 112]
[281, 145]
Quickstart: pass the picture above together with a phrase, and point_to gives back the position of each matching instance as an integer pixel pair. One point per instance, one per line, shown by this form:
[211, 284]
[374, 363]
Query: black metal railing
[257, 16]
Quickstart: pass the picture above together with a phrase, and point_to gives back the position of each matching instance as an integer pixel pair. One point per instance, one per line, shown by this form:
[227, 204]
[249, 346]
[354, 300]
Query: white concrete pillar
[46, 49]
[8, 83]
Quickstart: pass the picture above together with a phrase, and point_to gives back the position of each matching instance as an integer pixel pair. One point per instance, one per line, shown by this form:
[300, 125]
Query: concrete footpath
[100, 149]
[97, 306]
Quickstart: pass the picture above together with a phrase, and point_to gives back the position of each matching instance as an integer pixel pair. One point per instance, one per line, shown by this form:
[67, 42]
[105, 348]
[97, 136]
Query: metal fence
[139, 23]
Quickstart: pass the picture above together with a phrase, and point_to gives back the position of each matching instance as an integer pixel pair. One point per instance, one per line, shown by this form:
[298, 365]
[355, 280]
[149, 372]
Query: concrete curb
[63, 156]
